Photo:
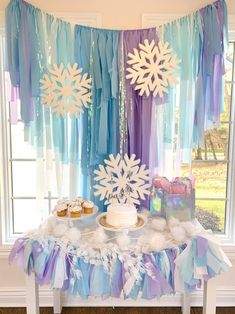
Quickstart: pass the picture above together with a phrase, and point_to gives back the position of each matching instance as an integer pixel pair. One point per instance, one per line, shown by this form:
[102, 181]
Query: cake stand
[101, 221]
[70, 219]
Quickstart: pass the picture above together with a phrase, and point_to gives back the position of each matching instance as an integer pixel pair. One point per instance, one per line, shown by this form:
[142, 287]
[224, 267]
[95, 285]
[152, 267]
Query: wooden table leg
[32, 295]
[57, 307]
[186, 303]
[209, 297]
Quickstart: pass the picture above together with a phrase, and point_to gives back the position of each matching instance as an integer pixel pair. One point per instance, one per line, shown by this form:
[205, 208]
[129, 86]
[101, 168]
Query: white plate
[83, 216]
[101, 221]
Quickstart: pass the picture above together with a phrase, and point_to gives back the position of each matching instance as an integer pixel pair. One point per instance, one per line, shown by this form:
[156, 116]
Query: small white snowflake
[152, 68]
[66, 90]
[122, 180]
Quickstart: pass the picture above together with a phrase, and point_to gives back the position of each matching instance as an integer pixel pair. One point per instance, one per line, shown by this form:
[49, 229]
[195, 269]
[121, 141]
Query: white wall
[120, 14]
[123, 14]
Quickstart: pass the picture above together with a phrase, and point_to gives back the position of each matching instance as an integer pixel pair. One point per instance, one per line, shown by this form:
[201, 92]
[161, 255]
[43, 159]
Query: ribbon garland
[118, 120]
[177, 269]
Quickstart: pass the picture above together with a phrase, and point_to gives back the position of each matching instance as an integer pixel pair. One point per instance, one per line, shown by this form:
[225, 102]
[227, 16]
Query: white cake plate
[101, 221]
[83, 216]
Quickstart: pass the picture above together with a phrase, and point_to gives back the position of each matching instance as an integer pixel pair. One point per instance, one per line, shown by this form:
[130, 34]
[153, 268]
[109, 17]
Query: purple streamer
[49, 267]
[66, 284]
[20, 258]
[12, 93]
[118, 280]
[202, 246]
[157, 285]
[17, 247]
[139, 109]
[217, 82]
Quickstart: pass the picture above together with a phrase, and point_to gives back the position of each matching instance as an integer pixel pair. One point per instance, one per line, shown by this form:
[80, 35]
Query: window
[18, 170]
[18, 162]
[212, 164]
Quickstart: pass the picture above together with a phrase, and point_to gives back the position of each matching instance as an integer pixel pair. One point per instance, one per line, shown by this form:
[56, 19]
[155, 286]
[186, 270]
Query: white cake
[121, 215]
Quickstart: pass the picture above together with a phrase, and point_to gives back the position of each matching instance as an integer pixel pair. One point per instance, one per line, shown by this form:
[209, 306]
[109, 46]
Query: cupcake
[73, 204]
[75, 211]
[61, 209]
[88, 207]
[63, 201]
[80, 200]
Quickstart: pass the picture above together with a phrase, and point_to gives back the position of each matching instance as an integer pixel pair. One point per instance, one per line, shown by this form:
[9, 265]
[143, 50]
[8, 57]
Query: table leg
[209, 297]
[186, 303]
[57, 307]
[32, 295]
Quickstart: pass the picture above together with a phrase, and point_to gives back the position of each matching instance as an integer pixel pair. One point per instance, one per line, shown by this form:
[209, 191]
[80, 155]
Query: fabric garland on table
[118, 118]
[151, 275]
[201, 260]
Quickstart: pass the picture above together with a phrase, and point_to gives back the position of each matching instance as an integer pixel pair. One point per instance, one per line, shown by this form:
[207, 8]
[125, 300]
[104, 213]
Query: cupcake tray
[101, 221]
[83, 216]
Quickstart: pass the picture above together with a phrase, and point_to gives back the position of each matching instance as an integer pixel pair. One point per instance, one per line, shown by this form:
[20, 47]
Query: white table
[32, 298]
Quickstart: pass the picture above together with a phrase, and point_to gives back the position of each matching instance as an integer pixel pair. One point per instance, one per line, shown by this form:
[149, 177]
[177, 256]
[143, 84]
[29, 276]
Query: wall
[123, 14]
[119, 14]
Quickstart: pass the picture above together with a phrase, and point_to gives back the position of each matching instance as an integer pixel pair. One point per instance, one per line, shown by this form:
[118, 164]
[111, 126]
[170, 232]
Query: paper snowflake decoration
[66, 90]
[153, 68]
[122, 180]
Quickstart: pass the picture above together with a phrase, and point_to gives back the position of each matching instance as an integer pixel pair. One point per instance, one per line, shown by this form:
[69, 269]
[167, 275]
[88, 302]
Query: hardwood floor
[117, 310]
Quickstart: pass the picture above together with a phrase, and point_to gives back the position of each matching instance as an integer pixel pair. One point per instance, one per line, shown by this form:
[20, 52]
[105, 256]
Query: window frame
[230, 207]
[228, 161]
[5, 218]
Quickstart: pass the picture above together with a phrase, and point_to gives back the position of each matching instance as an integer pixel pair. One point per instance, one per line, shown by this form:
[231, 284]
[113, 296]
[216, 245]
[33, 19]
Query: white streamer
[40, 186]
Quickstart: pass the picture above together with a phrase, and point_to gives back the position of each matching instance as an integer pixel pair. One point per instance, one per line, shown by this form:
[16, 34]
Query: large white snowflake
[122, 180]
[153, 68]
[66, 90]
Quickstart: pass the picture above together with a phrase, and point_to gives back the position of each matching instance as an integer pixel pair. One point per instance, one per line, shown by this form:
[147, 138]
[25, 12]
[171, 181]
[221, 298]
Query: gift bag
[176, 198]
[157, 206]
[180, 206]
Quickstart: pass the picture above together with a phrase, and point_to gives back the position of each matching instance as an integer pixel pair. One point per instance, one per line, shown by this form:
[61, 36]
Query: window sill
[229, 250]
[5, 250]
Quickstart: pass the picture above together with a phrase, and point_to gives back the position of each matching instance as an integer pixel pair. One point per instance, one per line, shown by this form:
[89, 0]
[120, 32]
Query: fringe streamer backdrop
[118, 119]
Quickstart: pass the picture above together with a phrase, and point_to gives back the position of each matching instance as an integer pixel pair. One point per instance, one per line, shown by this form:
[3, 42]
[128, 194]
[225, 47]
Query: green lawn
[210, 182]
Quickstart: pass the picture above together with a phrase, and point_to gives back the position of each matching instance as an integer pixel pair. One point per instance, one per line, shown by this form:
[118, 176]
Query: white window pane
[24, 178]
[20, 148]
[26, 215]
[65, 186]
[53, 203]
[54, 191]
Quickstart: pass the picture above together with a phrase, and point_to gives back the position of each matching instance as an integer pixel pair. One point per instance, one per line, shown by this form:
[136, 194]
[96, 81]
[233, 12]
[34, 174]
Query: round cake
[121, 215]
